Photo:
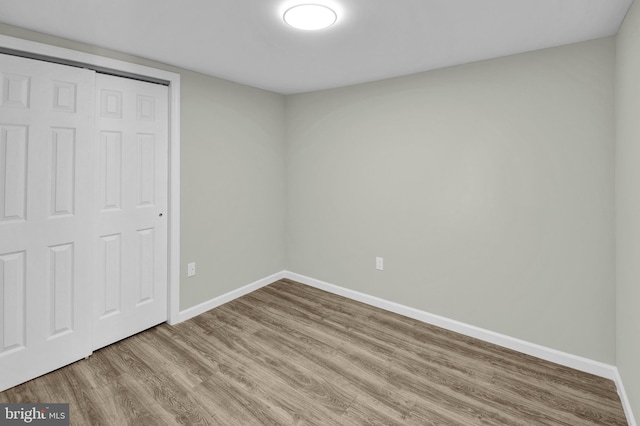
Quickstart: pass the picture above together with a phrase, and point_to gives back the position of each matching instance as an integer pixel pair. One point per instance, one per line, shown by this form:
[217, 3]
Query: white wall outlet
[380, 263]
[191, 269]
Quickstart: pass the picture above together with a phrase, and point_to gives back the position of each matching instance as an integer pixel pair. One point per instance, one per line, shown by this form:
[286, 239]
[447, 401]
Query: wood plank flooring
[289, 354]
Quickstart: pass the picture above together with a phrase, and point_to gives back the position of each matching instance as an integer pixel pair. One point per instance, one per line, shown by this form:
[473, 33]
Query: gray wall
[488, 188]
[232, 178]
[232, 186]
[628, 205]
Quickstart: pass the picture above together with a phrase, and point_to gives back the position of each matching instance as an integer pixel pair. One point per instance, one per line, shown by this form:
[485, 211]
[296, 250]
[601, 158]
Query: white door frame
[64, 54]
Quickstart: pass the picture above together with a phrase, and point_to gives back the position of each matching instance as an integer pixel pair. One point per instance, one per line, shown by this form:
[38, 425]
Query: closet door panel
[46, 216]
[131, 226]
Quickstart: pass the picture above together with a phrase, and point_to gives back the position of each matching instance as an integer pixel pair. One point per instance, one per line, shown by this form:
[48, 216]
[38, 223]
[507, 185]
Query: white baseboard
[558, 357]
[568, 360]
[227, 297]
[626, 404]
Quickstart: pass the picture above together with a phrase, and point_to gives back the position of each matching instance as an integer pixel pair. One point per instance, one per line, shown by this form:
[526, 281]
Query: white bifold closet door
[83, 197]
[46, 217]
[131, 206]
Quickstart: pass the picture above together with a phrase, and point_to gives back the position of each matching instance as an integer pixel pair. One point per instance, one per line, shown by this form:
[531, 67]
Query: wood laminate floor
[289, 354]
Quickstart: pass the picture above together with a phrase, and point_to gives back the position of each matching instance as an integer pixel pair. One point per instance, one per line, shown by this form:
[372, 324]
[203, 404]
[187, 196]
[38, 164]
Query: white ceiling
[246, 40]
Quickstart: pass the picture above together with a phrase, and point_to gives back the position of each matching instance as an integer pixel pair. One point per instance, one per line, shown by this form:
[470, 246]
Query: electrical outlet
[191, 269]
[379, 263]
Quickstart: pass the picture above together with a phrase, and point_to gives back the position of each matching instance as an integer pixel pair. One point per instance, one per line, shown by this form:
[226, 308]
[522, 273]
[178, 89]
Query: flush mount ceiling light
[310, 17]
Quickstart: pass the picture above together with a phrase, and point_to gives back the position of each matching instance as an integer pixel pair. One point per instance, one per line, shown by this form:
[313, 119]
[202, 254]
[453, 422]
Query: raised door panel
[110, 170]
[15, 90]
[110, 276]
[63, 168]
[146, 266]
[13, 172]
[14, 310]
[61, 290]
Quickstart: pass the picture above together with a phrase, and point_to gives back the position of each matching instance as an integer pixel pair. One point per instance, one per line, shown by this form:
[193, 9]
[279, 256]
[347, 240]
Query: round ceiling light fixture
[310, 17]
